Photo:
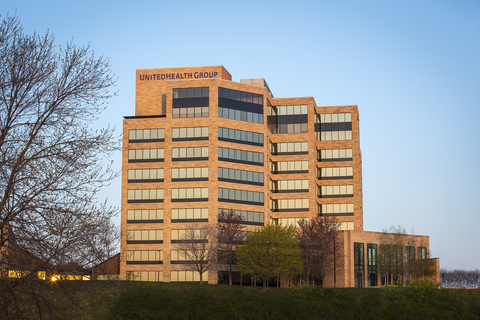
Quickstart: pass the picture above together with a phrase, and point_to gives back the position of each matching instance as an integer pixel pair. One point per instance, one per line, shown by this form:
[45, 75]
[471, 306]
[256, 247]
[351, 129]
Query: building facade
[200, 142]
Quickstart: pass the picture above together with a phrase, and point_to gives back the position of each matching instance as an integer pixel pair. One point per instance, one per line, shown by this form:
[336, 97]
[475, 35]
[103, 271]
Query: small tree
[231, 235]
[270, 252]
[199, 248]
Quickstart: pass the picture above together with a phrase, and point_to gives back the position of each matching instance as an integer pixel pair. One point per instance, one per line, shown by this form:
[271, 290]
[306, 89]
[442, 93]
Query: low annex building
[200, 142]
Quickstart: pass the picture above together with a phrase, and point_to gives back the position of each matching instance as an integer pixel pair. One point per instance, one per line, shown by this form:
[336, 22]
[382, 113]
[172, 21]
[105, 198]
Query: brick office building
[200, 142]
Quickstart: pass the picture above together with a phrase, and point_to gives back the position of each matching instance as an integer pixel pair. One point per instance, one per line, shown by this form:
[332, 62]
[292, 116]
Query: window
[189, 174]
[192, 235]
[372, 264]
[335, 155]
[287, 119]
[240, 196]
[145, 216]
[359, 264]
[289, 205]
[239, 136]
[286, 222]
[409, 256]
[145, 276]
[422, 253]
[189, 215]
[144, 236]
[239, 105]
[335, 173]
[240, 156]
[348, 225]
[190, 102]
[189, 194]
[145, 195]
[288, 148]
[146, 135]
[146, 155]
[190, 154]
[183, 256]
[333, 126]
[345, 191]
[288, 167]
[249, 217]
[145, 175]
[288, 186]
[240, 176]
[144, 256]
[190, 134]
[187, 276]
[336, 209]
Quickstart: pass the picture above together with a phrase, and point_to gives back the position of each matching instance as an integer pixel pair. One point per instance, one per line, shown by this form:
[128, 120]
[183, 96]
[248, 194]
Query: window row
[190, 112]
[240, 176]
[190, 154]
[188, 235]
[335, 191]
[335, 209]
[286, 222]
[182, 93]
[240, 96]
[334, 135]
[284, 186]
[334, 117]
[181, 256]
[146, 135]
[190, 134]
[187, 276]
[289, 205]
[145, 216]
[240, 156]
[249, 217]
[240, 136]
[145, 276]
[289, 110]
[335, 173]
[190, 215]
[145, 175]
[284, 128]
[144, 256]
[335, 155]
[144, 236]
[146, 155]
[189, 174]
[240, 115]
[289, 167]
[145, 195]
[189, 194]
[240, 196]
[288, 148]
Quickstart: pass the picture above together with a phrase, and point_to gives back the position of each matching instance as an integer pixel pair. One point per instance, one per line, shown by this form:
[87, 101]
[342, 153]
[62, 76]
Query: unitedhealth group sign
[178, 76]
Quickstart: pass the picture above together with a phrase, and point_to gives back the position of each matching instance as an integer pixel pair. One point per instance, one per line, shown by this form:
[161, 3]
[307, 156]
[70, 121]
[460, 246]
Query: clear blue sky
[412, 67]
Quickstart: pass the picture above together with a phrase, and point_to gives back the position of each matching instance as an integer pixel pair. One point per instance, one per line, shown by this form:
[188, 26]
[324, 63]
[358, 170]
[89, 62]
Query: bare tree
[51, 164]
[460, 278]
[198, 248]
[231, 235]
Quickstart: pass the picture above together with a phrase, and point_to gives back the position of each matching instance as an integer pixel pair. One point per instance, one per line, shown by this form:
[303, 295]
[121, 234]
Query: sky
[412, 67]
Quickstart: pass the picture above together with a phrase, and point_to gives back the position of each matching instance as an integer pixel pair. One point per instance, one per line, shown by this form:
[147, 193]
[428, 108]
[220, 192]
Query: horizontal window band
[335, 126]
[190, 139]
[248, 223]
[337, 159]
[289, 153]
[145, 140]
[291, 191]
[241, 202]
[146, 201]
[191, 159]
[240, 105]
[291, 119]
[291, 210]
[336, 196]
[143, 241]
[144, 262]
[190, 200]
[188, 179]
[241, 181]
[145, 180]
[188, 220]
[335, 178]
[290, 172]
[187, 261]
[145, 221]
[144, 160]
[337, 214]
[190, 102]
[144, 117]
[241, 142]
[241, 161]
[189, 241]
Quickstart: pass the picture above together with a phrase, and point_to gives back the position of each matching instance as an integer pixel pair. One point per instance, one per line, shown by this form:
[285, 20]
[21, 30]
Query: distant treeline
[460, 278]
